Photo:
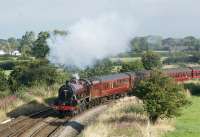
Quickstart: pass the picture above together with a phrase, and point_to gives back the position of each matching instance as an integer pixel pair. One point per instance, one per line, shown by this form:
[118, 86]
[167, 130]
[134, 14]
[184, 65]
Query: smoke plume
[91, 39]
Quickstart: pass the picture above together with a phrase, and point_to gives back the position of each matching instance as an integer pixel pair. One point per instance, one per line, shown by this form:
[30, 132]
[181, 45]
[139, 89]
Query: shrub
[31, 74]
[3, 81]
[161, 95]
[101, 67]
[7, 65]
[132, 66]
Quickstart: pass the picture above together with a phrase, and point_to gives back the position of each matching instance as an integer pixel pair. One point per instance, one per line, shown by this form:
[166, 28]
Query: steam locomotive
[79, 94]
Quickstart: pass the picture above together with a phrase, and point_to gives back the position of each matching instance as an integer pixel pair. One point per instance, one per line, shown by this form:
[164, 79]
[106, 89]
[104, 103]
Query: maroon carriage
[195, 72]
[179, 74]
[112, 84]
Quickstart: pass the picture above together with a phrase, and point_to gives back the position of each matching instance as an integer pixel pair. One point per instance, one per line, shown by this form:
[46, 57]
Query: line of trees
[30, 44]
[189, 43]
[33, 73]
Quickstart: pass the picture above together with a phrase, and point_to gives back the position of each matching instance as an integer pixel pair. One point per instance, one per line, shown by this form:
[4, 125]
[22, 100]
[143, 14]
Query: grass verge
[27, 101]
[187, 125]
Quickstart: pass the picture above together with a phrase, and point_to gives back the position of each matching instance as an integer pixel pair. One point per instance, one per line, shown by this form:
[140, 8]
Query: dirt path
[78, 123]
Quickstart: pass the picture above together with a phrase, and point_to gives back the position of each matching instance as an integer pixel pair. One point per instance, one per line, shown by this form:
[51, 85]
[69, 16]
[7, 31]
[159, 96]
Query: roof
[113, 76]
[177, 70]
[195, 68]
[2, 52]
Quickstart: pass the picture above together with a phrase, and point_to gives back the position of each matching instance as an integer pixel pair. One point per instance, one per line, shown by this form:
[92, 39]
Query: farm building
[16, 53]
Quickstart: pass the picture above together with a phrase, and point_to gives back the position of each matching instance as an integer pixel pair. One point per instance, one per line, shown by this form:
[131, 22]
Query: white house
[16, 53]
[2, 52]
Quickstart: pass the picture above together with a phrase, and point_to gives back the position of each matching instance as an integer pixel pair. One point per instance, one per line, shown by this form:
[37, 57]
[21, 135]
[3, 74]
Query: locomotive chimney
[76, 77]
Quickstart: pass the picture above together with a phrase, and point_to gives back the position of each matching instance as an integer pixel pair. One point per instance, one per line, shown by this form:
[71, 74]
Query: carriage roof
[174, 70]
[115, 76]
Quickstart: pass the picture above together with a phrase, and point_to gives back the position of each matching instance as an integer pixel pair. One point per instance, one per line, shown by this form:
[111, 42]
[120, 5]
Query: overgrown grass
[117, 121]
[27, 101]
[126, 118]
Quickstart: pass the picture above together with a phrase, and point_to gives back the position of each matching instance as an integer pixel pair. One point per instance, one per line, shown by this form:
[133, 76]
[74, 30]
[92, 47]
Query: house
[2, 52]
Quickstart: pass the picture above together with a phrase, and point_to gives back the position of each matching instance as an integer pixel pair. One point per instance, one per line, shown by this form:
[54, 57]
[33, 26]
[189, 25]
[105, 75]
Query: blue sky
[175, 18]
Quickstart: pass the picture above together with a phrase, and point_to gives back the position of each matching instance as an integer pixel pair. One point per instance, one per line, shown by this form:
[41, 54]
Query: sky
[168, 18]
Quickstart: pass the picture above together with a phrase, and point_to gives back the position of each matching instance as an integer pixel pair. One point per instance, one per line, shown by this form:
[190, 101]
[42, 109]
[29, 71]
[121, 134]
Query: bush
[101, 67]
[161, 95]
[132, 66]
[3, 81]
[32, 74]
[7, 65]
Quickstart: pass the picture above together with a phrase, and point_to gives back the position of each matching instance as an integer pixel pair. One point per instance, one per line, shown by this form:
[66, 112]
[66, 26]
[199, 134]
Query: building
[2, 52]
[16, 53]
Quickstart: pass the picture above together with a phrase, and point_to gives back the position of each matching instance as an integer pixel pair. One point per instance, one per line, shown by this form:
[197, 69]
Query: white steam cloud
[91, 39]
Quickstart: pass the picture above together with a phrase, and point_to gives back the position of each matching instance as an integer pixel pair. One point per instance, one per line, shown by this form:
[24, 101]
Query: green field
[188, 125]
[129, 59]
[125, 59]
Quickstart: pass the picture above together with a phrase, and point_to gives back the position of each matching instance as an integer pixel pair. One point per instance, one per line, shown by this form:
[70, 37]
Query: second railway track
[19, 126]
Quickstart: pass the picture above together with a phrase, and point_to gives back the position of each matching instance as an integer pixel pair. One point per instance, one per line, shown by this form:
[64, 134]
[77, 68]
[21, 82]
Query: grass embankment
[188, 125]
[126, 118]
[27, 101]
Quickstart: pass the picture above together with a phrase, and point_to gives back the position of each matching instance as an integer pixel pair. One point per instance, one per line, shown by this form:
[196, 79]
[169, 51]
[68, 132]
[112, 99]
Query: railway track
[49, 128]
[41, 124]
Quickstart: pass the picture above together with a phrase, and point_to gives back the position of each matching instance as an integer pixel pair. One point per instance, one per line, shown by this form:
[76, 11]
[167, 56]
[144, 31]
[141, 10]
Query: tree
[139, 44]
[189, 41]
[161, 95]
[32, 73]
[13, 44]
[132, 66]
[151, 60]
[60, 32]
[41, 48]
[196, 57]
[101, 67]
[170, 44]
[26, 43]
[7, 48]
[154, 42]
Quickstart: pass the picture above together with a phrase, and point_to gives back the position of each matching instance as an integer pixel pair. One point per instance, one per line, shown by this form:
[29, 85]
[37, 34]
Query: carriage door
[96, 91]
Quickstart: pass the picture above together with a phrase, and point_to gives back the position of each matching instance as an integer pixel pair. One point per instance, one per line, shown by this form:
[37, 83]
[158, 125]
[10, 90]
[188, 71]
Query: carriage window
[127, 81]
[114, 84]
[111, 85]
[106, 86]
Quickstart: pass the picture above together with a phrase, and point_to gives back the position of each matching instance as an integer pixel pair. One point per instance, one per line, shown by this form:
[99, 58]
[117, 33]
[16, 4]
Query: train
[77, 95]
